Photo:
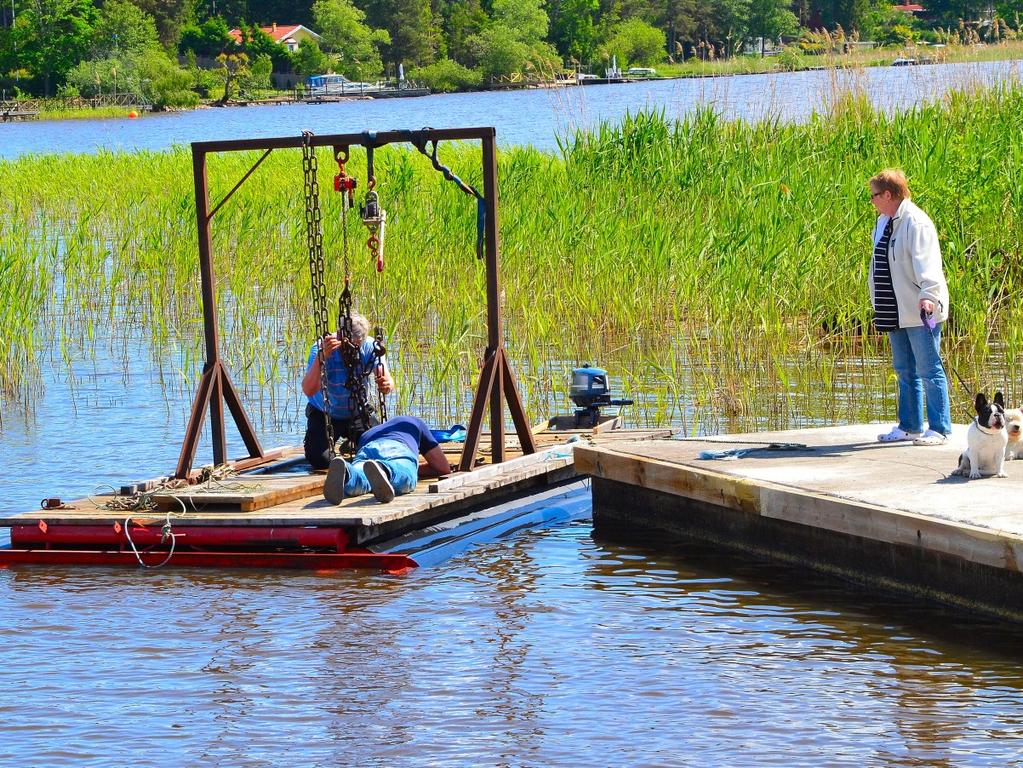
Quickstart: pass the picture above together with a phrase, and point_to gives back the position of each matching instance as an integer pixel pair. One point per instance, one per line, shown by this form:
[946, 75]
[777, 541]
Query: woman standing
[910, 298]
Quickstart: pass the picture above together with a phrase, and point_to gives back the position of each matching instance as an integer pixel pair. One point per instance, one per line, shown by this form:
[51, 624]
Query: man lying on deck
[387, 462]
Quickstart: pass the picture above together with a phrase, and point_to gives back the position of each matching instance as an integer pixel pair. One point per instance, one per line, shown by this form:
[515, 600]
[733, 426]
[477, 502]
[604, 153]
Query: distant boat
[904, 62]
[339, 85]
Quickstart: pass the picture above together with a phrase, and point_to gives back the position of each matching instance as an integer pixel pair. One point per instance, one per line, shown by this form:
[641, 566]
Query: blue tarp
[453, 434]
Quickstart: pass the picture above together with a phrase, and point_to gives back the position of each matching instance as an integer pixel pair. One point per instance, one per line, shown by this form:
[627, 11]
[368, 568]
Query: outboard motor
[590, 392]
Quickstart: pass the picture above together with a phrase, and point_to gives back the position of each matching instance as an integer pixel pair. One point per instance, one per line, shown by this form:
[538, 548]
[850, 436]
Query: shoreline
[719, 69]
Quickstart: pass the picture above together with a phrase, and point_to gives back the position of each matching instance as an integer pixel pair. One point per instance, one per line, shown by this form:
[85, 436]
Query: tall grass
[719, 267]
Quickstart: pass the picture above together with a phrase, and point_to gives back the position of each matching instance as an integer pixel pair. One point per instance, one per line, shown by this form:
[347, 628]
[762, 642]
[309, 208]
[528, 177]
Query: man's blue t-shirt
[408, 429]
[337, 377]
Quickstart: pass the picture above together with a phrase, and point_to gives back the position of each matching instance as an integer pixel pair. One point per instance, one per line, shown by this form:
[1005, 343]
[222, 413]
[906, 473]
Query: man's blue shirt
[409, 430]
[337, 376]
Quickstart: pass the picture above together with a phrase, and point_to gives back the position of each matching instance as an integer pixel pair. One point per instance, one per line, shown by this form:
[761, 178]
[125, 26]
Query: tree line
[155, 47]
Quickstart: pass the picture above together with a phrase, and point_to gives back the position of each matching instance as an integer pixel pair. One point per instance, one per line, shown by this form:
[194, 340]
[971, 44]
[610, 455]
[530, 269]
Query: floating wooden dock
[280, 516]
[884, 515]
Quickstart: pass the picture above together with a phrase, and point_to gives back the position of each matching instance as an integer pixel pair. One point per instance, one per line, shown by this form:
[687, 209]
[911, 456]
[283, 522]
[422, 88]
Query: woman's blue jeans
[402, 465]
[916, 356]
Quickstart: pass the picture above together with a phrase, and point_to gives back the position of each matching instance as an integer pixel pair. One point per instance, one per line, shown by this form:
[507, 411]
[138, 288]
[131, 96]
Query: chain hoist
[357, 370]
[373, 216]
[314, 241]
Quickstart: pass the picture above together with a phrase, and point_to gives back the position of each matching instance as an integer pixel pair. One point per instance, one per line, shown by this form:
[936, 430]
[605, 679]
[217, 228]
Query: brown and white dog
[986, 441]
[1014, 429]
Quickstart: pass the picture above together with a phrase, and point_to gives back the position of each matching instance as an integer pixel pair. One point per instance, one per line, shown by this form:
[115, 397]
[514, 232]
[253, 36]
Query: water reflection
[551, 649]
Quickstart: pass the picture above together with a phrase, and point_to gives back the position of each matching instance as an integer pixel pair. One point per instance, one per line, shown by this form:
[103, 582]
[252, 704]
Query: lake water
[547, 648]
[534, 117]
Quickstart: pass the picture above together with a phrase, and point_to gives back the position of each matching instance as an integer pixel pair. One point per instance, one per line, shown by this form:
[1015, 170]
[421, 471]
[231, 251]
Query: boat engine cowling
[590, 392]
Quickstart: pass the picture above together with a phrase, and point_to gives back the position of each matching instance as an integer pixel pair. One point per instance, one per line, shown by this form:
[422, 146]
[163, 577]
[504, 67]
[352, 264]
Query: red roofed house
[288, 35]
[908, 8]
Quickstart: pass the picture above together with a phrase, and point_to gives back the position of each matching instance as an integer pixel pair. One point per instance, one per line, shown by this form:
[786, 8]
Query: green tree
[148, 74]
[731, 21]
[52, 36]
[769, 20]
[170, 17]
[102, 77]
[231, 68]
[514, 40]
[445, 76]
[164, 84]
[346, 36]
[412, 27]
[499, 52]
[526, 19]
[461, 20]
[636, 42]
[682, 24]
[309, 59]
[258, 77]
[123, 28]
[573, 28]
[211, 38]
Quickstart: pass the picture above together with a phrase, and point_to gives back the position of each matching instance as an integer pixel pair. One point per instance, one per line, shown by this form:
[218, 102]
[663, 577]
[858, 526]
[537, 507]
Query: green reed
[719, 268]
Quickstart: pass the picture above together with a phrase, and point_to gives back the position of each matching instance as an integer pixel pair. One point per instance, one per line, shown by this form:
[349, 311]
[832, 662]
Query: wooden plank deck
[297, 498]
[889, 515]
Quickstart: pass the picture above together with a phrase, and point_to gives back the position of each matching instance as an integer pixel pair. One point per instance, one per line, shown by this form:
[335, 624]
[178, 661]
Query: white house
[288, 35]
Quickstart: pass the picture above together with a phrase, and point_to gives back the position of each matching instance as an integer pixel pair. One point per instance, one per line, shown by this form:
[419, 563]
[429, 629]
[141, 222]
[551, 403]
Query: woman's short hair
[891, 180]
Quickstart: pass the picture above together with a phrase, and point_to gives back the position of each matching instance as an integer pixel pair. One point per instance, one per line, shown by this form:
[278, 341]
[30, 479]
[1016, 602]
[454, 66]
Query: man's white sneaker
[334, 485]
[379, 482]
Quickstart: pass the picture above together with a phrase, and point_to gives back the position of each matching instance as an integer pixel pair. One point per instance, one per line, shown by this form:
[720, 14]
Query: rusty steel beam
[496, 385]
[347, 139]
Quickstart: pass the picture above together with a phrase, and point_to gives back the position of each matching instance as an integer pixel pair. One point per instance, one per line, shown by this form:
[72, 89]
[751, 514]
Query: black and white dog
[985, 441]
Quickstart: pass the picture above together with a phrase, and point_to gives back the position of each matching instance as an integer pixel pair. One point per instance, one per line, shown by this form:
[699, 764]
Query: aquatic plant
[718, 267]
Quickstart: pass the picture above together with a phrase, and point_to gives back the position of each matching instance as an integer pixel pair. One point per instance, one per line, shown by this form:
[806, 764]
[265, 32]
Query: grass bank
[89, 113]
[720, 268]
[875, 57]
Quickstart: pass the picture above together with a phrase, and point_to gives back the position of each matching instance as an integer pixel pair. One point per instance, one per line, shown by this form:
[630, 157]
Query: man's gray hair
[360, 327]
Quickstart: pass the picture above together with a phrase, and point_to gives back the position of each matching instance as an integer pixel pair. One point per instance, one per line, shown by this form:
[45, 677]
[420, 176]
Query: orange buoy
[133, 114]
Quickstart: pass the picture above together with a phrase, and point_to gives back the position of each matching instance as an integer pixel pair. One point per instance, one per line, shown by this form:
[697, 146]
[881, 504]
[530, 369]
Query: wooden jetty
[16, 110]
[271, 516]
[884, 515]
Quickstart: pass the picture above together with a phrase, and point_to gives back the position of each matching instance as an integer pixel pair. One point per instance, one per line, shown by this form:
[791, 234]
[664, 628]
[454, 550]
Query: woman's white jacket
[914, 258]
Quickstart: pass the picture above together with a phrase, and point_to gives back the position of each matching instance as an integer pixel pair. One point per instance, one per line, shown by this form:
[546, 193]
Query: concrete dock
[890, 516]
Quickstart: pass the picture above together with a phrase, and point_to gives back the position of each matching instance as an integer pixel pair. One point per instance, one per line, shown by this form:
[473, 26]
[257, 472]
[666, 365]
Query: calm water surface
[534, 117]
[549, 648]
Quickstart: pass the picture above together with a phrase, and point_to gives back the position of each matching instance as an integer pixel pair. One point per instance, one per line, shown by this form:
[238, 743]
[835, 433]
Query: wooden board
[242, 493]
[297, 500]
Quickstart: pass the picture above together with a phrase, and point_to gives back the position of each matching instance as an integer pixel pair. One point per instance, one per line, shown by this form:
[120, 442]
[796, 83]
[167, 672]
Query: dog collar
[985, 430]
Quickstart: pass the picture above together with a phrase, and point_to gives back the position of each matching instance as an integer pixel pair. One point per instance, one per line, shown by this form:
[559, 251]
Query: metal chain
[357, 371]
[421, 143]
[314, 241]
[379, 351]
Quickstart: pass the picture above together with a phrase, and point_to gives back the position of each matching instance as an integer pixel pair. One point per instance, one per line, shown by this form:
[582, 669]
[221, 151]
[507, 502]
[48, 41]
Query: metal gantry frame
[496, 383]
